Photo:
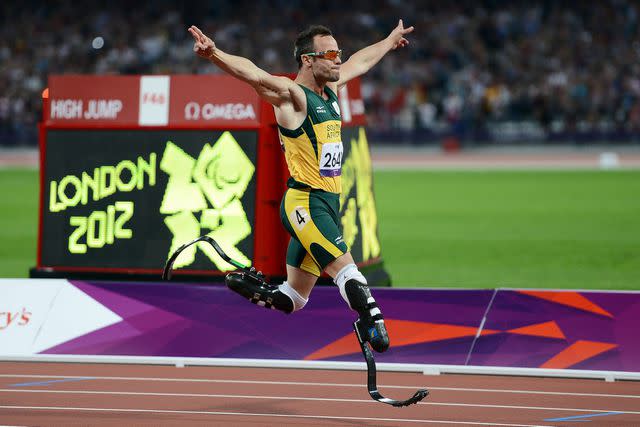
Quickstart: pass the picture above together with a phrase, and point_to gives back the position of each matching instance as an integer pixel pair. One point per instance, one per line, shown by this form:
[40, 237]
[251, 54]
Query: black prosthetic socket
[371, 328]
[252, 285]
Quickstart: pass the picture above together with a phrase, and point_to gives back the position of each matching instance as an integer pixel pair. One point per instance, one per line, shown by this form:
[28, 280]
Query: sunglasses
[327, 54]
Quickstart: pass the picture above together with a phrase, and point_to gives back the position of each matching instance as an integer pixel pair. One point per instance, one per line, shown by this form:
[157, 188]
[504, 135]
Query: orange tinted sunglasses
[327, 54]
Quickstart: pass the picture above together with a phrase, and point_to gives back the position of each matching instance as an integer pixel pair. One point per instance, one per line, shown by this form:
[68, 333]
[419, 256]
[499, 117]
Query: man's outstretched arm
[362, 61]
[272, 89]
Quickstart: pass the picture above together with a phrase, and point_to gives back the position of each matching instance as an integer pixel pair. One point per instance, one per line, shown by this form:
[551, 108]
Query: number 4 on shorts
[299, 217]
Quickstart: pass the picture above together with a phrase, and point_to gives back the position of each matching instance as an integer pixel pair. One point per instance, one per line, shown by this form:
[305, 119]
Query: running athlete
[309, 124]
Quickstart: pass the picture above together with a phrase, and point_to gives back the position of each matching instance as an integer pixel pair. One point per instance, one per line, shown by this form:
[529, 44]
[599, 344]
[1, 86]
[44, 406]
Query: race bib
[331, 159]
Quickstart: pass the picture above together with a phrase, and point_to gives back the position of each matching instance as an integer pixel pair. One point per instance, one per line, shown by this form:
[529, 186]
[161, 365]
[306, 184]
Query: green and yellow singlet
[314, 150]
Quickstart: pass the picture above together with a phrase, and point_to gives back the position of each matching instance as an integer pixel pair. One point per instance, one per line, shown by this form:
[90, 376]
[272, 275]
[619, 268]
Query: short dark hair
[304, 41]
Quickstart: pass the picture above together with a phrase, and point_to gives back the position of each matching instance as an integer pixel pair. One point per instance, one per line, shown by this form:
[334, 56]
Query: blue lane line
[50, 382]
[577, 417]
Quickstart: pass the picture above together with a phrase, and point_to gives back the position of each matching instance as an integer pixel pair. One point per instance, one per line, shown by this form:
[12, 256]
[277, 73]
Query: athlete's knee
[298, 300]
[349, 274]
[355, 291]
[256, 289]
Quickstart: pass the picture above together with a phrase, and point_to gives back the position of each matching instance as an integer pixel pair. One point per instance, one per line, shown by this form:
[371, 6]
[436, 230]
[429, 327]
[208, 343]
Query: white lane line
[536, 408]
[323, 399]
[315, 384]
[247, 414]
[552, 393]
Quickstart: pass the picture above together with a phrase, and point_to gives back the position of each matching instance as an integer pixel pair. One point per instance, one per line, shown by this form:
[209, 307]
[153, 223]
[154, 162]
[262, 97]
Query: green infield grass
[19, 221]
[535, 229]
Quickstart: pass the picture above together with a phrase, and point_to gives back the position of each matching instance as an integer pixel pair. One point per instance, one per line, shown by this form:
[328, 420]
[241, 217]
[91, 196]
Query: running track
[70, 394]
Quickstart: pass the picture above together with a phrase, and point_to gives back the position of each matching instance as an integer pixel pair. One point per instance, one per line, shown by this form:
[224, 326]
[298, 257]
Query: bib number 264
[331, 159]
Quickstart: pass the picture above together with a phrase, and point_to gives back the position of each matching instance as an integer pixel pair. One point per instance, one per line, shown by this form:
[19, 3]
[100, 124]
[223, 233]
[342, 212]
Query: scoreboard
[132, 167]
[127, 199]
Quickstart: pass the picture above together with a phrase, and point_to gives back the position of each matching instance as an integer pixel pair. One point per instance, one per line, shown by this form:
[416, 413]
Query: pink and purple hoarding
[503, 327]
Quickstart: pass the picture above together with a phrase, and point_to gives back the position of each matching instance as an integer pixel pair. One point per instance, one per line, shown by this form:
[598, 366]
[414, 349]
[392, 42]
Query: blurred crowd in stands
[474, 70]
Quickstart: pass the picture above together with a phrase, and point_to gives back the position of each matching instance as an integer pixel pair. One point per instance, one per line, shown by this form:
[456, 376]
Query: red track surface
[55, 394]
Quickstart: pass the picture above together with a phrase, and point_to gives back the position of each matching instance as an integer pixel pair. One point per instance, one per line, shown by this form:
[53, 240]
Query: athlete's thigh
[312, 219]
[298, 257]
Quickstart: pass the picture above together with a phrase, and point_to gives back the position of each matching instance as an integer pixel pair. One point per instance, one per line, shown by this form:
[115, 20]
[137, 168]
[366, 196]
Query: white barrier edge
[425, 369]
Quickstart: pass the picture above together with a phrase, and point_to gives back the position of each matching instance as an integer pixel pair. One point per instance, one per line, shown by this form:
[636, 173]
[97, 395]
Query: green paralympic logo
[204, 196]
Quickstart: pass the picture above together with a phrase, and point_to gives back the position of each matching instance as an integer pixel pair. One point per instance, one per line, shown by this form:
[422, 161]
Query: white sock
[298, 301]
[348, 272]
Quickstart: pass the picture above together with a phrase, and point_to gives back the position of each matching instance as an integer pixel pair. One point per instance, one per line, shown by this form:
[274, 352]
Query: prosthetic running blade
[166, 274]
[371, 375]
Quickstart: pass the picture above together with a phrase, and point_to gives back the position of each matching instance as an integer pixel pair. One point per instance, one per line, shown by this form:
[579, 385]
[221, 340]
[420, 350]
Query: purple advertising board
[506, 328]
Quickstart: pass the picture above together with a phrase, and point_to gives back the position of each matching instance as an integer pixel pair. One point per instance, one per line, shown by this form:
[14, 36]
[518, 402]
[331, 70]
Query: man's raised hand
[202, 45]
[397, 35]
